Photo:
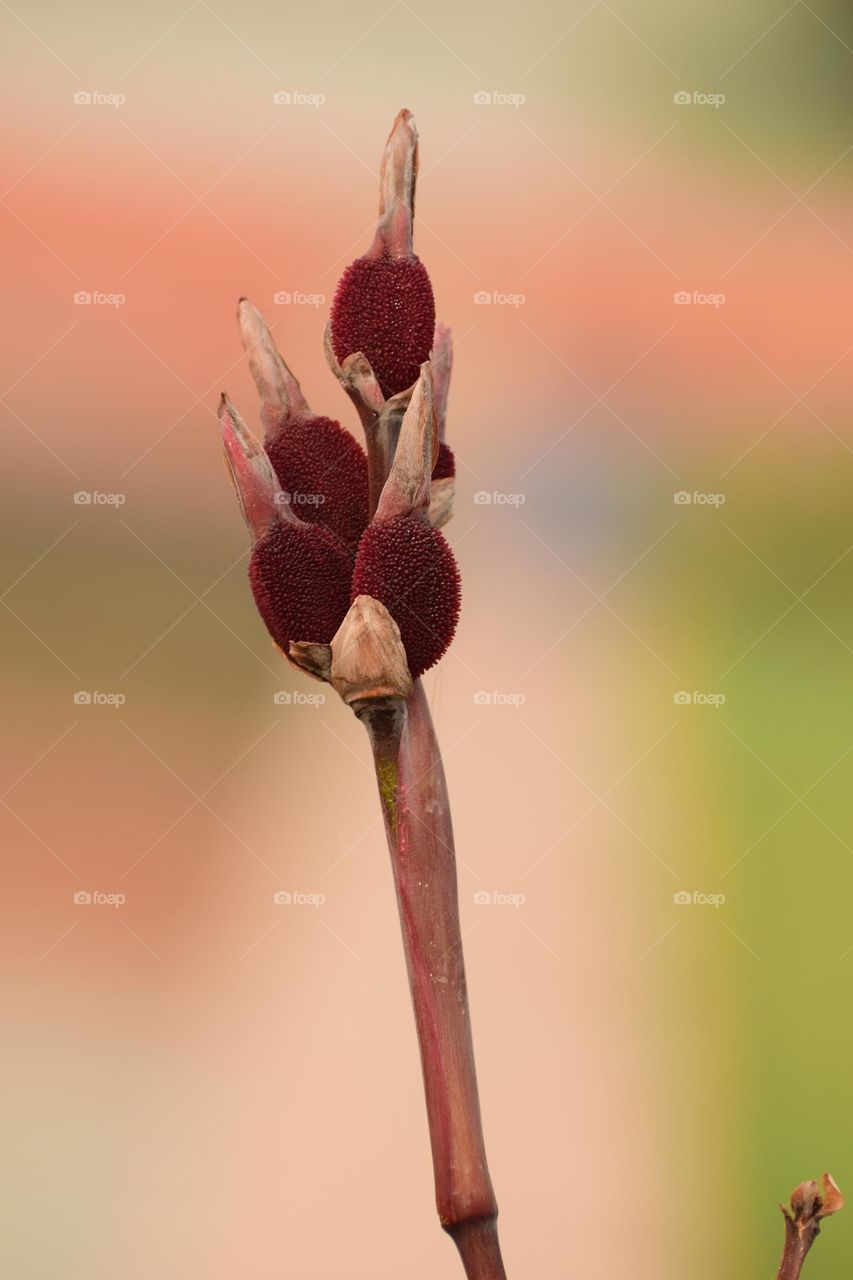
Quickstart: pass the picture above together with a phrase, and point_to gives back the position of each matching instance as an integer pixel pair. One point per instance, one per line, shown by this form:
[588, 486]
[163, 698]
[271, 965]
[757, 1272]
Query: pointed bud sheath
[255, 483]
[299, 573]
[402, 561]
[279, 393]
[406, 491]
[368, 658]
[383, 306]
[321, 468]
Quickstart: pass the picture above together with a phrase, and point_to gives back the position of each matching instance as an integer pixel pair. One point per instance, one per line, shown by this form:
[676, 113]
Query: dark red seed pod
[408, 566]
[300, 578]
[384, 307]
[323, 470]
[445, 463]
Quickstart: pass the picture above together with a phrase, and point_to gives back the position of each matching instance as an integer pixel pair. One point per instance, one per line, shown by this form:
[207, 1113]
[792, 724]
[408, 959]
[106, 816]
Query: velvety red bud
[384, 308]
[323, 469]
[408, 566]
[319, 465]
[300, 578]
[383, 305]
[299, 573]
[445, 463]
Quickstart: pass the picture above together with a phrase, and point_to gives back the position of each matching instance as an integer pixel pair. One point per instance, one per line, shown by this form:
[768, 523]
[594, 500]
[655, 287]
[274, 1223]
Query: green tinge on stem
[420, 840]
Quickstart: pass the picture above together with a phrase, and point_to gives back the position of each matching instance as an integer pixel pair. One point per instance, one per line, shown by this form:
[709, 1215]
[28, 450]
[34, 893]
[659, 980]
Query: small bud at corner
[808, 1205]
[368, 658]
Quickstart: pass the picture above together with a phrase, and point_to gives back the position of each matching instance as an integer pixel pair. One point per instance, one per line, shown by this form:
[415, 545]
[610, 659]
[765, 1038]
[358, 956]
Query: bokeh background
[203, 1083]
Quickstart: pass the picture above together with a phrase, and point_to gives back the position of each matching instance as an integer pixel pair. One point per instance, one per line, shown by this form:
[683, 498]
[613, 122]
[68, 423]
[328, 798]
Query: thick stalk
[420, 838]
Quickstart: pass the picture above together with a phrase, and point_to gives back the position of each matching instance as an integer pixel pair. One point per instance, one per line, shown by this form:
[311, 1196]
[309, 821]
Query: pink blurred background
[204, 1083]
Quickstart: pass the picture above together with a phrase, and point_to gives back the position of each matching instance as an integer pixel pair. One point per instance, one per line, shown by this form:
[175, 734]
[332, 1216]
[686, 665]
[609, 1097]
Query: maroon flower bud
[408, 566]
[305, 494]
[300, 578]
[322, 469]
[402, 561]
[383, 305]
[299, 573]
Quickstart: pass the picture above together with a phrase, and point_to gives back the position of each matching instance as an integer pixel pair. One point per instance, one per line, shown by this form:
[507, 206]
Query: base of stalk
[477, 1242]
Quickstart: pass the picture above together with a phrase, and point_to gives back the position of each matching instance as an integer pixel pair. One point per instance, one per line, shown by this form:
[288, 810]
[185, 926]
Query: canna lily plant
[358, 587]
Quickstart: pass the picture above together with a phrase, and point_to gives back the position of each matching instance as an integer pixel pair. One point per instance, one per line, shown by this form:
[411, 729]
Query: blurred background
[637, 221]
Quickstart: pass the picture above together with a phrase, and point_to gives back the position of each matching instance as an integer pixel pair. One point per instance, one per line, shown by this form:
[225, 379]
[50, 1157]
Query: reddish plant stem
[797, 1245]
[416, 811]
